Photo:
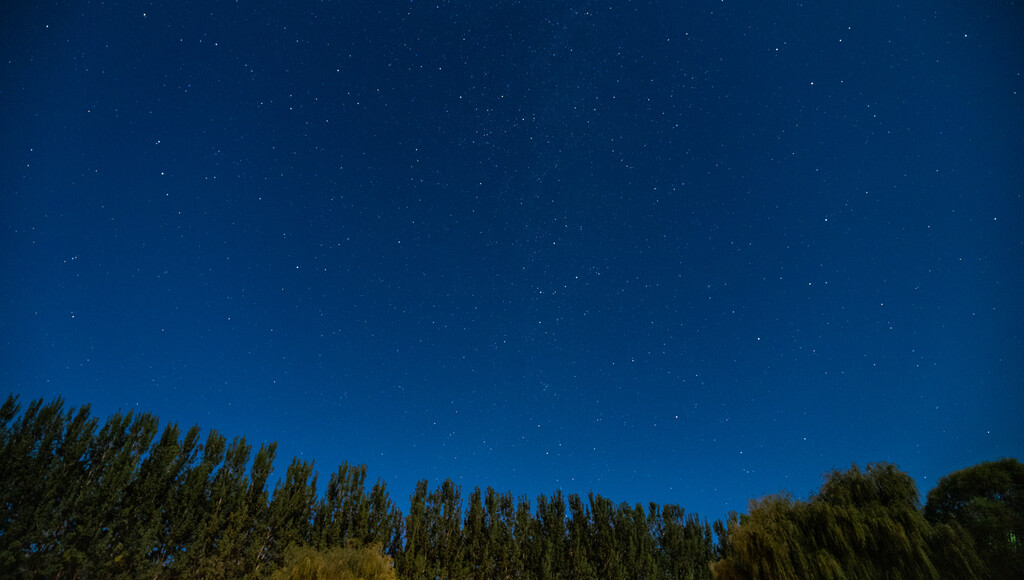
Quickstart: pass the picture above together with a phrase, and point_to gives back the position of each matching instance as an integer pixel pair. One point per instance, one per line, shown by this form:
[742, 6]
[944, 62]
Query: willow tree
[861, 524]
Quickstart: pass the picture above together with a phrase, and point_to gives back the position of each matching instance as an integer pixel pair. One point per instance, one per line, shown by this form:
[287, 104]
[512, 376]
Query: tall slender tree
[474, 533]
[412, 561]
[499, 525]
[578, 555]
[193, 513]
[444, 530]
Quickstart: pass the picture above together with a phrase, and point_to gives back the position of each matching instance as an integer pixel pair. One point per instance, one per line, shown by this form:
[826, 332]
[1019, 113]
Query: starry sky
[683, 252]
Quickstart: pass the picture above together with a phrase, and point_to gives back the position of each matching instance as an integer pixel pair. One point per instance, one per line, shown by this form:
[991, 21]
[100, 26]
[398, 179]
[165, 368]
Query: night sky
[682, 252]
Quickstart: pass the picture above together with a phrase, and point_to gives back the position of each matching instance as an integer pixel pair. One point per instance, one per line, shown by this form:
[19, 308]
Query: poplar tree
[686, 545]
[522, 528]
[36, 487]
[343, 513]
[412, 561]
[604, 553]
[499, 526]
[249, 531]
[475, 538]
[193, 511]
[578, 557]
[290, 513]
[444, 531]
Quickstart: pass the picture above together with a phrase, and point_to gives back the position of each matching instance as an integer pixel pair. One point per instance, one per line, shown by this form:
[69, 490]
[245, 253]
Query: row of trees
[81, 500]
[561, 537]
[127, 500]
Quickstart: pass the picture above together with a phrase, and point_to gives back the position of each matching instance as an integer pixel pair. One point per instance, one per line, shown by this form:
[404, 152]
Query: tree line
[127, 500]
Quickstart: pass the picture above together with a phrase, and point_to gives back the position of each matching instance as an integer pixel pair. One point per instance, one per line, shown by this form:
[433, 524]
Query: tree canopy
[987, 500]
[126, 499]
[861, 524]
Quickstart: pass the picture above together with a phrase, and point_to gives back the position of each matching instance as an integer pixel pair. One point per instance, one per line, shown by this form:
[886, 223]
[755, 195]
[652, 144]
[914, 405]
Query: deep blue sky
[682, 252]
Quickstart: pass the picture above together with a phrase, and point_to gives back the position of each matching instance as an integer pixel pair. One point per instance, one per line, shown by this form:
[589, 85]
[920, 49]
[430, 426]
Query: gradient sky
[682, 252]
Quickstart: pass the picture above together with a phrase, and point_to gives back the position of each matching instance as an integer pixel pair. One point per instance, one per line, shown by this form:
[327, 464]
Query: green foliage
[474, 535]
[444, 531]
[987, 500]
[349, 562]
[578, 552]
[687, 545]
[412, 561]
[118, 502]
[860, 525]
[127, 500]
[502, 560]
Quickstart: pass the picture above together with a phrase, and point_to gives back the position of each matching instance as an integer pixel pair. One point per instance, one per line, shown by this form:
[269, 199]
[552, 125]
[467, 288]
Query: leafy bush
[350, 562]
